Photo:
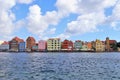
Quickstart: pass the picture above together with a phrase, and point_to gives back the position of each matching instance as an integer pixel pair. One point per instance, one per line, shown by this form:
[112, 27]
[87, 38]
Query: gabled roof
[30, 38]
[18, 39]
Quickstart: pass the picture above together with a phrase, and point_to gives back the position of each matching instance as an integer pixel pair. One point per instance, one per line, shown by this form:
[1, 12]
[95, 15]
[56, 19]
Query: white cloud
[115, 25]
[91, 14]
[35, 23]
[51, 31]
[116, 12]
[83, 6]
[38, 23]
[88, 6]
[8, 22]
[6, 18]
[114, 19]
[64, 36]
[66, 6]
[85, 23]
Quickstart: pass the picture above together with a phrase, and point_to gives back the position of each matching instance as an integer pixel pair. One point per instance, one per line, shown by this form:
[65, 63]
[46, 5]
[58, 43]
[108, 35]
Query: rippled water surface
[59, 66]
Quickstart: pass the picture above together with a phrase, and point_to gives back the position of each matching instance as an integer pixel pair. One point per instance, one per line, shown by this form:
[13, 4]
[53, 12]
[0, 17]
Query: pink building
[42, 45]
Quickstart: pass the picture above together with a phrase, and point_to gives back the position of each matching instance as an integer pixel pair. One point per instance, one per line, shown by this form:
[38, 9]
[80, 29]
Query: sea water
[60, 66]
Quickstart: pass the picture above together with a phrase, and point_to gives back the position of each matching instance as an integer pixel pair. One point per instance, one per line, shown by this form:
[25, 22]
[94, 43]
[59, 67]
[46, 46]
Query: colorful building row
[55, 44]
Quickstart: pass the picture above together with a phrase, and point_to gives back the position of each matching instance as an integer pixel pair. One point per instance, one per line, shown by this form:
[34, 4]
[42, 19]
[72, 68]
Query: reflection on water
[59, 66]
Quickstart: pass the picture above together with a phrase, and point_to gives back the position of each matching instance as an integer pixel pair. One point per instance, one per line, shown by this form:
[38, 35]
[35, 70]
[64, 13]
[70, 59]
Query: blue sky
[85, 20]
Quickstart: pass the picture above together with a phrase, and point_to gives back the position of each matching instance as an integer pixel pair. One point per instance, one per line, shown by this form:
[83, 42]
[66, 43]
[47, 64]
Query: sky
[85, 20]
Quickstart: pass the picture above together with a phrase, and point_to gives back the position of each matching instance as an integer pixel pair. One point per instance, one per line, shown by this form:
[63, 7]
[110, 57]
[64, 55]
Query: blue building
[21, 46]
[35, 47]
[78, 45]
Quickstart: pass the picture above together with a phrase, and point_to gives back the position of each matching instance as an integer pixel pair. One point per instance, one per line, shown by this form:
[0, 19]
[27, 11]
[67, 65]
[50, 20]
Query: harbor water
[60, 66]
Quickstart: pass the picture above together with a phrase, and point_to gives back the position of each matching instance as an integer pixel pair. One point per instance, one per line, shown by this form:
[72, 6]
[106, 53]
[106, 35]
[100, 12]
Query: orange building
[30, 42]
[89, 45]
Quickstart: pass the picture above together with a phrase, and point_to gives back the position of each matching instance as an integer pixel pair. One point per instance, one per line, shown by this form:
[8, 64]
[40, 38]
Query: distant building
[42, 45]
[14, 44]
[107, 44]
[54, 44]
[84, 46]
[99, 45]
[1, 42]
[22, 46]
[78, 45]
[29, 43]
[111, 45]
[35, 47]
[67, 45]
[4, 46]
[118, 49]
[89, 45]
[93, 45]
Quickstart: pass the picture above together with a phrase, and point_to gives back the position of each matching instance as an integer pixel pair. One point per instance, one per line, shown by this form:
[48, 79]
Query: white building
[4, 46]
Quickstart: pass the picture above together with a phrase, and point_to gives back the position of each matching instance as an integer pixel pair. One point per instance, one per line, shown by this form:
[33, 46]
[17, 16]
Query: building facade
[89, 45]
[107, 44]
[42, 45]
[78, 45]
[67, 45]
[30, 41]
[22, 46]
[4, 46]
[35, 47]
[54, 44]
[111, 45]
[99, 45]
[84, 46]
[93, 45]
[14, 44]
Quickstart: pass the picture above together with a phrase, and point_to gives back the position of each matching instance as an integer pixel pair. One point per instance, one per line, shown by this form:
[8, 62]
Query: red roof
[18, 39]
[5, 42]
[31, 38]
[112, 41]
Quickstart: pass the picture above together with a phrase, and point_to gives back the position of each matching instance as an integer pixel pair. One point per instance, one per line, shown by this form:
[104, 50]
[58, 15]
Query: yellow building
[54, 44]
[99, 45]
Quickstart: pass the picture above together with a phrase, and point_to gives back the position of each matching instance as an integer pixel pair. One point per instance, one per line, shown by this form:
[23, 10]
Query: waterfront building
[99, 45]
[118, 49]
[22, 46]
[4, 46]
[42, 45]
[93, 45]
[84, 46]
[35, 47]
[30, 41]
[89, 45]
[67, 45]
[111, 45]
[107, 44]
[1, 42]
[54, 44]
[77, 45]
[14, 44]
